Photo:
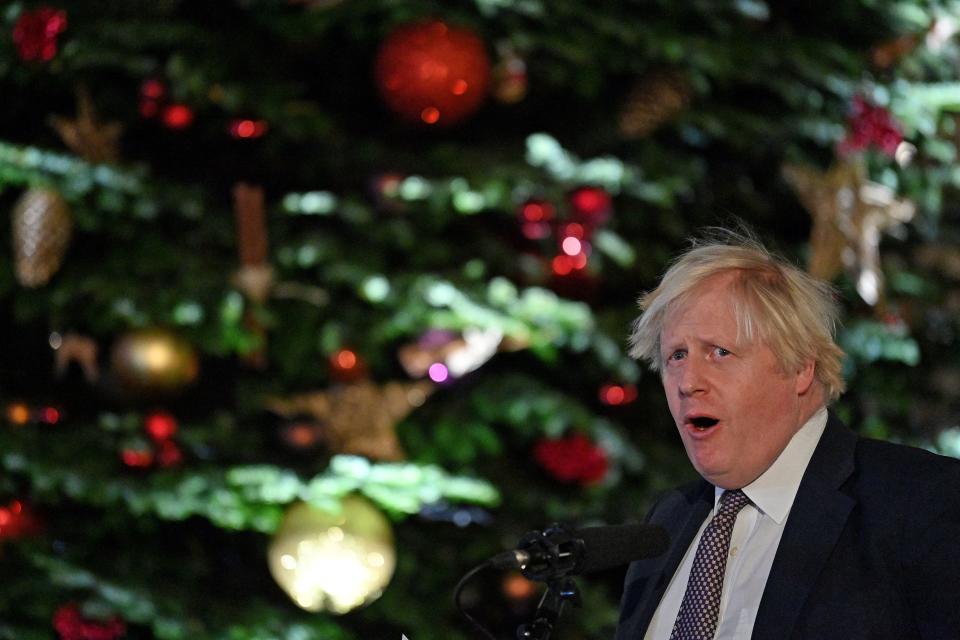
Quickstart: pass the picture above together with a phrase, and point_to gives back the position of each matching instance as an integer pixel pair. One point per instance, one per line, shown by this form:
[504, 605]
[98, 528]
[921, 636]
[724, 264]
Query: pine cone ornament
[655, 100]
[42, 225]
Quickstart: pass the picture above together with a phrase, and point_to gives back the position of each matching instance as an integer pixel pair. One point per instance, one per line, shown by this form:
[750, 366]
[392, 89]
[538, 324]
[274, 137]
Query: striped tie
[700, 608]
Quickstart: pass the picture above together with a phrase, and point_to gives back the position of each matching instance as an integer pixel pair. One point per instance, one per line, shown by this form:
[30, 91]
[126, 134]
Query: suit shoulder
[905, 469]
[898, 456]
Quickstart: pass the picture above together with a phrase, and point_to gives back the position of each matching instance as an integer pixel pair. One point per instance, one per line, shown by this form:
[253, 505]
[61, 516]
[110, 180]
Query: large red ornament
[572, 459]
[433, 73]
[35, 33]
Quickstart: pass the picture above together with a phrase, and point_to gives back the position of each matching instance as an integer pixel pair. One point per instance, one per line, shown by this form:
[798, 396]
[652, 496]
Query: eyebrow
[714, 340]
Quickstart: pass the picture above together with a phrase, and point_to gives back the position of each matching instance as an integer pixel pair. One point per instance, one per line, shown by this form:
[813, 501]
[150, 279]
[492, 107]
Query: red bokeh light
[535, 230]
[536, 211]
[345, 359]
[573, 230]
[153, 89]
[50, 415]
[615, 394]
[246, 128]
[178, 116]
[137, 458]
[160, 426]
[591, 204]
[169, 454]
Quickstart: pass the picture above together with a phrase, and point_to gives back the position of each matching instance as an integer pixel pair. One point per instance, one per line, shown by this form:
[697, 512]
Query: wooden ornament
[849, 215]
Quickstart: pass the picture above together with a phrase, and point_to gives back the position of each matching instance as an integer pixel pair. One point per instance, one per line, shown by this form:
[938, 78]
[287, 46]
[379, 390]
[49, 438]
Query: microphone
[559, 551]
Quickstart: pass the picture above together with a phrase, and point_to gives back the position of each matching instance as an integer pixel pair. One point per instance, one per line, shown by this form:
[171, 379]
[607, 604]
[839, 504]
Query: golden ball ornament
[333, 561]
[42, 227]
[153, 362]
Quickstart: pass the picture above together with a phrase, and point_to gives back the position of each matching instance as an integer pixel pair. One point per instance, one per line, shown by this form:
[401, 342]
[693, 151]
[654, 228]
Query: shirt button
[733, 552]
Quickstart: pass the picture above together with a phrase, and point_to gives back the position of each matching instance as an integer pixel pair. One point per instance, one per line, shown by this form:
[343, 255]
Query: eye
[679, 354]
[721, 352]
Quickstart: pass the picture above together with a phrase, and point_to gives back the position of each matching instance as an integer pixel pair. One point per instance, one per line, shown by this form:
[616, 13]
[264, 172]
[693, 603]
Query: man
[799, 528]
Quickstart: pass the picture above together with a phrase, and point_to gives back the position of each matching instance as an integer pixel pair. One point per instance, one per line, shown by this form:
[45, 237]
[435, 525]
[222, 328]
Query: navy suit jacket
[871, 548]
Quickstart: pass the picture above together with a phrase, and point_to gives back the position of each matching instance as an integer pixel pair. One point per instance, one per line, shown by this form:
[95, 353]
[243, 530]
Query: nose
[692, 381]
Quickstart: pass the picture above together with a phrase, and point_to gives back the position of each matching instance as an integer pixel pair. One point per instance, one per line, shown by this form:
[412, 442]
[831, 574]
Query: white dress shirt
[753, 544]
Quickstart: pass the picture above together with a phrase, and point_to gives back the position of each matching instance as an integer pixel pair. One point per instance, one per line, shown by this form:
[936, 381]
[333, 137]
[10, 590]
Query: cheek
[769, 401]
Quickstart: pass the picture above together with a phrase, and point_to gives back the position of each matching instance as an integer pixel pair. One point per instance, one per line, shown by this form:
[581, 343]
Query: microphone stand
[559, 592]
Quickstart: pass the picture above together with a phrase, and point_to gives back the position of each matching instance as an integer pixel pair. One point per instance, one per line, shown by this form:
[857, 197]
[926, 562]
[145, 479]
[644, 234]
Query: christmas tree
[310, 306]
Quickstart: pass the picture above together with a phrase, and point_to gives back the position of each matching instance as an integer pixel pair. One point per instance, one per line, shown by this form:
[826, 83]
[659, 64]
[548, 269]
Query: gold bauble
[333, 561]
[153, 362]
[42, 225]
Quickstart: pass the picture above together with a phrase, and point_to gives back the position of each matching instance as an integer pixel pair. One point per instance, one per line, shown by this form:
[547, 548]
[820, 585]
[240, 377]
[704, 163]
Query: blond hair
[792, 312]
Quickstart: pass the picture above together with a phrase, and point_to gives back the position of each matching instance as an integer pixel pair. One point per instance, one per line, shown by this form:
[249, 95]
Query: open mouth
[703, 422]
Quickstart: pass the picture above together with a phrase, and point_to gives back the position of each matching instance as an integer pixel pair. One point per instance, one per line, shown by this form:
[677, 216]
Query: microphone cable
[456, 598]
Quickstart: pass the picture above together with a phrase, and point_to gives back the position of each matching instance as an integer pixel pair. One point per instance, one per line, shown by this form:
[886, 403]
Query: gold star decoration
[849, 214]
[360, 418]
[92, 140]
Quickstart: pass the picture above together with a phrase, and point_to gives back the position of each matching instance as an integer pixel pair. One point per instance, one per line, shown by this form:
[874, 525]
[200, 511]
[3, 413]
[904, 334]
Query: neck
[810, 402]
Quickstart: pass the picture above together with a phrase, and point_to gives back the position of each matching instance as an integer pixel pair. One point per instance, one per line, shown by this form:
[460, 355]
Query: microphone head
[611, 546]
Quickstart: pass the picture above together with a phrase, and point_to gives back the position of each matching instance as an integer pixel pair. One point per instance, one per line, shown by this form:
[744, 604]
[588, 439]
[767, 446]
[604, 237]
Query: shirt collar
[773, 492]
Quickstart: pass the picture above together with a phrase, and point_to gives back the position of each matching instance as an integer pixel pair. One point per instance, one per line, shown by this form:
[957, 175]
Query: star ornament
[361, 417]
[850, 213]
[86, 136]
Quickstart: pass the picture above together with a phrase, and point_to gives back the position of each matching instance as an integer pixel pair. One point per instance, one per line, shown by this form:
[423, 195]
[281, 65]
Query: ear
[805, 376]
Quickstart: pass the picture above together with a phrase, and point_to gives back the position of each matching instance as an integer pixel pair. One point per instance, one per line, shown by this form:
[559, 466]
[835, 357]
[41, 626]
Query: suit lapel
[816, 520]
[682, 525]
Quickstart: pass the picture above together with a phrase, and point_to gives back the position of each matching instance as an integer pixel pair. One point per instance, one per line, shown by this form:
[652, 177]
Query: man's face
[735, 408]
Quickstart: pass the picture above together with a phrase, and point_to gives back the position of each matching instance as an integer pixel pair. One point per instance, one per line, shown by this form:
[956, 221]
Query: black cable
[456, 598]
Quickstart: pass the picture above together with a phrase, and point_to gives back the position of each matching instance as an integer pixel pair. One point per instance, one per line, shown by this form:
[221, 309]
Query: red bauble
[169, 454]
[153, 92]
[71, 625]
[870, 126]
[160, 426]
[137, 457]
[245, 128]
[17, 521]
[347, 366]
[153, 89]
[177, 116]
[618, 394]
[35, 33]
[535, 216]
[591, 205]
[433, 73]
[572, 459]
